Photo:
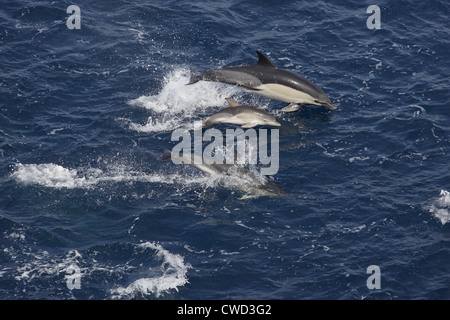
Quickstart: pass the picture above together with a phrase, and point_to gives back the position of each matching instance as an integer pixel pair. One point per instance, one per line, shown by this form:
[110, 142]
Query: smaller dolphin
[265, 79]
[245, 116]
[238, 177]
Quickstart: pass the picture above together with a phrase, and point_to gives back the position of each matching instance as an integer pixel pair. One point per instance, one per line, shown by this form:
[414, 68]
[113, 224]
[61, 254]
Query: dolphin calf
[265, 79]
[245, 116]
[237, 177]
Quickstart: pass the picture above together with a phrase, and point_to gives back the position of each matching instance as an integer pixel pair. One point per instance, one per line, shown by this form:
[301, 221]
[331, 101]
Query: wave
[149, 270]
[172, 274]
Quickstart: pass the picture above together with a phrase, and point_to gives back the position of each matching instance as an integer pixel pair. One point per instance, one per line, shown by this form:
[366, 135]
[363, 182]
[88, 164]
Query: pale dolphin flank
[265, 79]
[245, 116]
[245, 181]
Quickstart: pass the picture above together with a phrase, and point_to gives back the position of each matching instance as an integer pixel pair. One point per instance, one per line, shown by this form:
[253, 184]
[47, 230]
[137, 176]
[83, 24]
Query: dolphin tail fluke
[167, 155]
[194, 77]
[206, 123]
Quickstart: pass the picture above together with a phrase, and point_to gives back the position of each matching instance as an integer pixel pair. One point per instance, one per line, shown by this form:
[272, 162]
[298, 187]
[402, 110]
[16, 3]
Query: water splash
[440, 207]
[177, 104]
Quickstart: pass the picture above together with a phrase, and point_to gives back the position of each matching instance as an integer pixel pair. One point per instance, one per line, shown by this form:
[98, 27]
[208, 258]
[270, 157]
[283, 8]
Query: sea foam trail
[55, 176]
[178, 104]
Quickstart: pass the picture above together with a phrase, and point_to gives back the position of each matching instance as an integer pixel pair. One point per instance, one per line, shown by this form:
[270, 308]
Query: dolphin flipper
[291, 107]
[249, 125]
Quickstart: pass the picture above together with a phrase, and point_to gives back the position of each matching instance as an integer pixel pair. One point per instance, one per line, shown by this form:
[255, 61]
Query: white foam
[358, 158]
[55, 176]
[178, 104]
[155, 125]
[440, 207]
[173, 272]
[48, 175]
[43, 264]
[421, 110]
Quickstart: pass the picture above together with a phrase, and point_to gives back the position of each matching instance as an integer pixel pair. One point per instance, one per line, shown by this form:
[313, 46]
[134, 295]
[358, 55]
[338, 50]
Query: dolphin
[265, 79]
[239, 177]
[245, 116]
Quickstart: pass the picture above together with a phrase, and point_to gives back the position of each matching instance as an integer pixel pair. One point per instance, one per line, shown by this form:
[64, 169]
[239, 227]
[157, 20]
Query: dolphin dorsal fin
[263, 61]
[232, 103]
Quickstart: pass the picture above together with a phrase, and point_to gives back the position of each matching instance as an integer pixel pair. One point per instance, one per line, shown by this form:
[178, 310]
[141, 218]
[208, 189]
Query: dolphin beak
[327, 105]
[330, 106]
[273, 123]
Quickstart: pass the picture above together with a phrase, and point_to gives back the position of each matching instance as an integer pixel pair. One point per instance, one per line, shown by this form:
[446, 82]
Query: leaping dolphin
[245, 116]
[265, 79]
[246, 181]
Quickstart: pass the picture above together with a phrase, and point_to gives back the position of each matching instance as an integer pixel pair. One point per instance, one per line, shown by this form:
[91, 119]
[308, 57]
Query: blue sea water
[88, 212]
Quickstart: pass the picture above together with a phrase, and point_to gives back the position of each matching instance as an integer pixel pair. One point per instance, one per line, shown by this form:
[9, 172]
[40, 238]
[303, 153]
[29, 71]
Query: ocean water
[88, 212]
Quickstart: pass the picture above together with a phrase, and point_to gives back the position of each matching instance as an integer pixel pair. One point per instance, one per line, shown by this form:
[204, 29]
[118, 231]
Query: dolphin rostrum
[239, 177]
[265, 79]
[245, 116]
